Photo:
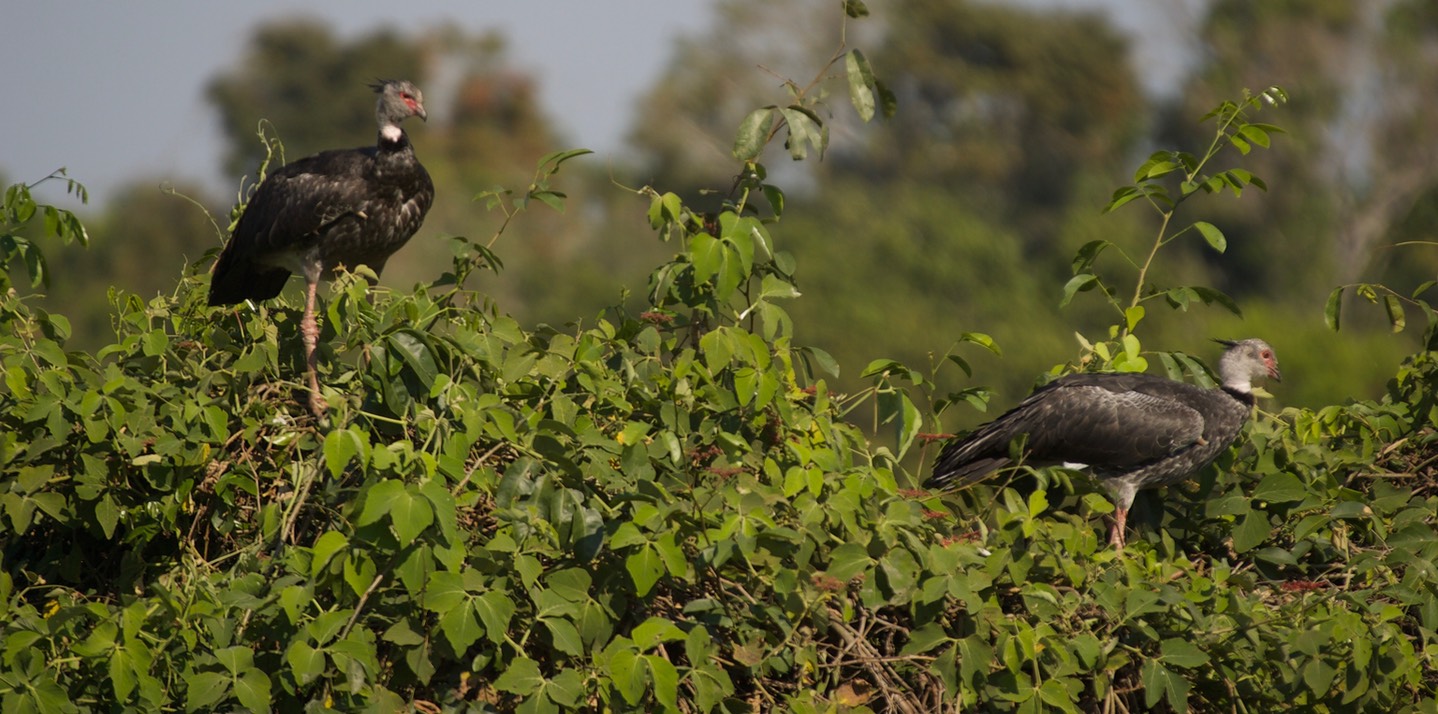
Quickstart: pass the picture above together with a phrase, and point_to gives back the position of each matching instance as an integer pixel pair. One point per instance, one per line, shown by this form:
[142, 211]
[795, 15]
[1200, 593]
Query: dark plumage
[335, 209]
[1132, 431]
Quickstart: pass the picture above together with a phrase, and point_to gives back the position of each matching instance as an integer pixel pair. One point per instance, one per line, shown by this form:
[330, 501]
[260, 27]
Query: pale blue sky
[114, 90]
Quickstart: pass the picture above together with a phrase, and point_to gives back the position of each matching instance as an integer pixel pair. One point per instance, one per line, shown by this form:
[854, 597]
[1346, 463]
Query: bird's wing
[1110, 425]
[294, 205]
[288, 211]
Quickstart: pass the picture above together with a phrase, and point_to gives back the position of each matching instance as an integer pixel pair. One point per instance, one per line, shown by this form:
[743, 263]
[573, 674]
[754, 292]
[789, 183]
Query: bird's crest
[379, 84]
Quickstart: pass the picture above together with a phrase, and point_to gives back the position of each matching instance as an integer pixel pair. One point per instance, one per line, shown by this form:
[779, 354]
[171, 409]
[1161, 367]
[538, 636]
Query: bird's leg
[310, 331]
[1120, 521]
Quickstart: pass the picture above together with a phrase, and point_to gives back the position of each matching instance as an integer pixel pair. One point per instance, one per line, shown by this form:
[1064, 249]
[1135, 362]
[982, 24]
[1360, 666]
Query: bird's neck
[1239, 384]
[392, 137]
[1242, 392]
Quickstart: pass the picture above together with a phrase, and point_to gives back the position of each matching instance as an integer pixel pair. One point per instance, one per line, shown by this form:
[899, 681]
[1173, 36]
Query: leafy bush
[665, 509]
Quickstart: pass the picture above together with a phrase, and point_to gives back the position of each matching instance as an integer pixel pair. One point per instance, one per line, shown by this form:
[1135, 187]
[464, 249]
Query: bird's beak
[1274, 374]
[419, 112]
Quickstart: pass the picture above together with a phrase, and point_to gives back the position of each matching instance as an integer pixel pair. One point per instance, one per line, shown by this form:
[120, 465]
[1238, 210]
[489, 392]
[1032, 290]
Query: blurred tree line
[962, 213]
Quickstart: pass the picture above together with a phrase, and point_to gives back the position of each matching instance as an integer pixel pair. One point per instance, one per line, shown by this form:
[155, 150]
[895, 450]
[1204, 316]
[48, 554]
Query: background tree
[1367, 148]
[1396, 198]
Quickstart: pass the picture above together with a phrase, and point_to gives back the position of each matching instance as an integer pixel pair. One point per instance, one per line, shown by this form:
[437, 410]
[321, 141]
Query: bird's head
[1245, 361]
[399, 99]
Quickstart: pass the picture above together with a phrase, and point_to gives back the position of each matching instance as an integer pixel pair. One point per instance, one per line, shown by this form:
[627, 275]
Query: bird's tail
[947, 475]
[970, 459]
[234, 279]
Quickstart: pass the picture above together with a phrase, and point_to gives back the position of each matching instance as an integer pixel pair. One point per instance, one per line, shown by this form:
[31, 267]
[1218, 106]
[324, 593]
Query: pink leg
[310, 331]
[1120, 521]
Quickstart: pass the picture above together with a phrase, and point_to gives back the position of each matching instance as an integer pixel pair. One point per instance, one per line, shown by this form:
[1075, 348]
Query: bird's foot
[318, 406]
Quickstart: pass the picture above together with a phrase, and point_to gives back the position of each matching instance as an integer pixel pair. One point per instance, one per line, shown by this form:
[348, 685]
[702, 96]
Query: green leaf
[1280, 487]
[379, 499]
[861, 82]
[1077, 284]
[849, 560]
[1210, 296]
[236, 659]
[1213, 235]
[805, 130]
[926, 638]
[1132, 316]
[774, 287]
[1182, 653]
[553, 199]
[522, 677]
[1394, 308]
[253, 691]
[460, 627]
[445, 591]
[1122, 196]
[327, 625]
[895, 404]
[204, 689]
[675, 560]
[495, 609]
[566, 689]
[565, 636]
[122, 669]
[888, 101]
[550, 163]
[1332, 308]
[1255, 133]
[654, 631]
[324, 549]
[100, 642]
[107, 512]
[18, 382]
[1251, 531]
[666, 680]
[410, 516]
[341, 445]
[707, 255]
[717, 348]
[626, 669]
[1161, 683]
[415, 350]
[305, 661]
[645, 567]
[753, 134]
[1319, 676]
[673, 206]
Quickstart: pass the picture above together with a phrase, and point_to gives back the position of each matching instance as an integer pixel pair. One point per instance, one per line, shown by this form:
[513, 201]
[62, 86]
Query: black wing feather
[288, 212]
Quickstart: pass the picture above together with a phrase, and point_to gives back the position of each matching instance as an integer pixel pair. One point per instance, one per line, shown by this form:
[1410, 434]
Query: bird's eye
[1266, 354]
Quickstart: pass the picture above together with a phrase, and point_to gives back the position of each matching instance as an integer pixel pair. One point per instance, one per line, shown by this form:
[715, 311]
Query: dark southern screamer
[1132, 431]
[336, 209]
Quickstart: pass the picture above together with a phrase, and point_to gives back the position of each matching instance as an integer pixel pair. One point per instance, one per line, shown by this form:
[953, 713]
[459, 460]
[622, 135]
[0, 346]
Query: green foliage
[665, 510]
[22, 216]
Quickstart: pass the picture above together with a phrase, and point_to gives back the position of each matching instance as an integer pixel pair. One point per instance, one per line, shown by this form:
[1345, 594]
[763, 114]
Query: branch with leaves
[1164, 182]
